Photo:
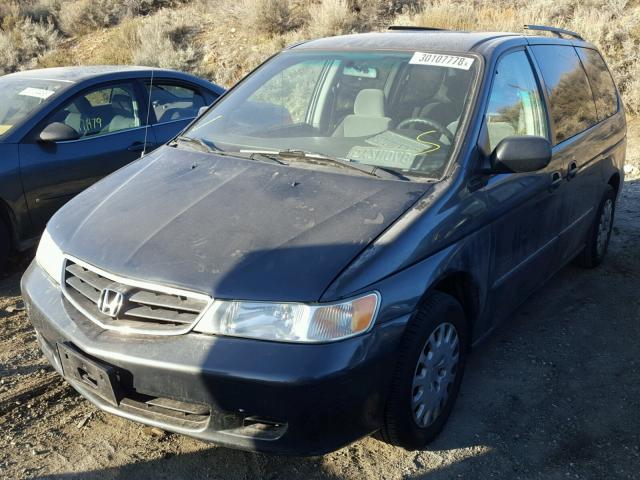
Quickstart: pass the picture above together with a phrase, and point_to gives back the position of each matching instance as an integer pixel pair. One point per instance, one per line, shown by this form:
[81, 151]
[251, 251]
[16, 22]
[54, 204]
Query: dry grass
[225, 39]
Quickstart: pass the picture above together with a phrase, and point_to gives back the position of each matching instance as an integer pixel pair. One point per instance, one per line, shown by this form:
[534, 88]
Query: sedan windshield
[21, 96]
[398, 111]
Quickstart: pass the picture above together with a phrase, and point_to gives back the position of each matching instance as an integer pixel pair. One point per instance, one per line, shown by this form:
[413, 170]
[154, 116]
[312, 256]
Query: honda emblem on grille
[110, 302]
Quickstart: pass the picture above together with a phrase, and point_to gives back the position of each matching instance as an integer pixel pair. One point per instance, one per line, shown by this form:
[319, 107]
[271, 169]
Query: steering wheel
[431, 123]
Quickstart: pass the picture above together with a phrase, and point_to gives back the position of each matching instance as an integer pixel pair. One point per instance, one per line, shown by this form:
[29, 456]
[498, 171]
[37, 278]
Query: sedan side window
[515, 105]
[175, 102]
[101, 111]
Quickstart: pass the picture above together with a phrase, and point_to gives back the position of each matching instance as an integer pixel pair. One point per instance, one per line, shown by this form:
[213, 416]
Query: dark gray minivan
[311, 260]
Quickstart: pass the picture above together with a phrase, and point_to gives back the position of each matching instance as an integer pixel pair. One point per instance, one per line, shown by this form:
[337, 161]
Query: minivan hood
[228, 227]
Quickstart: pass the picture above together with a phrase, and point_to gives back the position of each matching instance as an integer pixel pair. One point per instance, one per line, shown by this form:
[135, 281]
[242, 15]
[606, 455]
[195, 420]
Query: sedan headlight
[50, 257]
[290, 322]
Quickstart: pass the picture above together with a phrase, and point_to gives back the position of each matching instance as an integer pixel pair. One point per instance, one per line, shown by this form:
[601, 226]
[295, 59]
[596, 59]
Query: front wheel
[600, 232]
[427, 379]
[5, 244]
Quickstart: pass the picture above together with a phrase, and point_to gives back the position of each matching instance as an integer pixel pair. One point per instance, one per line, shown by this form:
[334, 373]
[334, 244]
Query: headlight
[290, 322]
[49, 257]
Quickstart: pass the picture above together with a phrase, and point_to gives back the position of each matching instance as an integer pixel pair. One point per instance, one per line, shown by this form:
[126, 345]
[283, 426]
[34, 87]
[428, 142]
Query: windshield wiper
[311, 157]
[210, 147]
[270, 156]
[392, 172]
[199, 143]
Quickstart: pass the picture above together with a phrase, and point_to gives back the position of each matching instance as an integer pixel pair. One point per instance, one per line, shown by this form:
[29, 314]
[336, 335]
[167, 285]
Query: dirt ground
[553, 394]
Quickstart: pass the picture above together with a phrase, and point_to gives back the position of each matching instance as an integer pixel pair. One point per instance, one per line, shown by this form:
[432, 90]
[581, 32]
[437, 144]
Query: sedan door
[174, 105]
[109, 121]
[527, 206]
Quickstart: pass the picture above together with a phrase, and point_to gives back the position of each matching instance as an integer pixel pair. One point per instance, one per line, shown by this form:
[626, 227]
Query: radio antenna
[146, 129]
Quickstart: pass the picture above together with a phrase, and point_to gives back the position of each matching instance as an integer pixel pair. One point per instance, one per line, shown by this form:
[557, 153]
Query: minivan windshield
[21, 96]
[396, 110]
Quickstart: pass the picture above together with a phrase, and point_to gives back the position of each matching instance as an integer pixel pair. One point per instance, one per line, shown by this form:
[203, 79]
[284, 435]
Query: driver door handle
[139, 146]
[572, 170]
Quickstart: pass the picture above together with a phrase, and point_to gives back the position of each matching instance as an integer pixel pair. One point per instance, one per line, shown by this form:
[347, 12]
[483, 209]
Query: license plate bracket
[94, 376]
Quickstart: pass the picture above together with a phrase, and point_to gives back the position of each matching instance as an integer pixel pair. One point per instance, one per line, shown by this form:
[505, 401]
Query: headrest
[80, 105]
[122, 102]
[369, 102]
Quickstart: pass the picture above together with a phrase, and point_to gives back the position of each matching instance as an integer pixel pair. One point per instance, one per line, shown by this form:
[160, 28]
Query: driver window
[515, 105]
[101, 111]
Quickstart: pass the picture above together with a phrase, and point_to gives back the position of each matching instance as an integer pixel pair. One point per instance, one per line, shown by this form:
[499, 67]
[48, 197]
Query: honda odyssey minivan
[311, 260]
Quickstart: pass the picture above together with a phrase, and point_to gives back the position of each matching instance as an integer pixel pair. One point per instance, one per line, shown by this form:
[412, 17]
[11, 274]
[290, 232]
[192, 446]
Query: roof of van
[409, 39]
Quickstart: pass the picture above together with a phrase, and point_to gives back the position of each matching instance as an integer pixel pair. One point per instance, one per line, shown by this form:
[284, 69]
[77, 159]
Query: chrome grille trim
[152, 309]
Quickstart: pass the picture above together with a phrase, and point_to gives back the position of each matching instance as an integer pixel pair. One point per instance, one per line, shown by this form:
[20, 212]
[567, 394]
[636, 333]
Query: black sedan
[62, 129]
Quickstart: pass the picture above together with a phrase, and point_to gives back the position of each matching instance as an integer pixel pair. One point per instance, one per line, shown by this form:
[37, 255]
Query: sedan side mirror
[58, 132]
[521, 154]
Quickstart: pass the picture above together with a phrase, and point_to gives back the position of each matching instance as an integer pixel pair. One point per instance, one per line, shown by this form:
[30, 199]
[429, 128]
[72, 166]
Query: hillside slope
[224, 39]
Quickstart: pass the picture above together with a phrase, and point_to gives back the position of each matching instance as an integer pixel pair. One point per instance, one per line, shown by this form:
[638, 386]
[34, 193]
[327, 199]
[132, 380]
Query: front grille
[143, 309]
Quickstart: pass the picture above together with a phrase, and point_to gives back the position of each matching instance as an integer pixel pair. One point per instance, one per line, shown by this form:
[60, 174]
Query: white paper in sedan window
[37, 93]
[441, 60]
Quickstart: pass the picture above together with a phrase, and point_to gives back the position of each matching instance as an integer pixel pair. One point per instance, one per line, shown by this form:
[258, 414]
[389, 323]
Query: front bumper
[264, 396]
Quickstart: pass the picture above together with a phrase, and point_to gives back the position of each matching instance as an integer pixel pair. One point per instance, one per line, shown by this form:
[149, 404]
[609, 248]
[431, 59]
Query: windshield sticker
[440, 60]
[37, 93]
[4, 128]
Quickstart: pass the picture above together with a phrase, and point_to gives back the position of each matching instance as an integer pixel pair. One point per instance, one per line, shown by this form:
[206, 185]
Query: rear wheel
[600, 232]
[428, 375]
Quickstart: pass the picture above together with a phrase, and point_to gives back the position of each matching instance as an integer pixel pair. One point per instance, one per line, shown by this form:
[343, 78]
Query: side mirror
[202, 110]
[521, 154]
[58, 132]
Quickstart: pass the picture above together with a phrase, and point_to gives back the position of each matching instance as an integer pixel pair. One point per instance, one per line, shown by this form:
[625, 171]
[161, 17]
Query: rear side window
[572, 107]
[604, 90]
[175, 102]
[515, 106]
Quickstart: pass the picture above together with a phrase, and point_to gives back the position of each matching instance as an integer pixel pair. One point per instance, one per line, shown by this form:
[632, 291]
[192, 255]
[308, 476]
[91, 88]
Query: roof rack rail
[558, 31]
[409, 27]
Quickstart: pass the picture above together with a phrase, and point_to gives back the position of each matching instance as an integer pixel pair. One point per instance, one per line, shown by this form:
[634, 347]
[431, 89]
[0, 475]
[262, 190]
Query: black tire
[592, 255]
[400, 425]
[5, 244]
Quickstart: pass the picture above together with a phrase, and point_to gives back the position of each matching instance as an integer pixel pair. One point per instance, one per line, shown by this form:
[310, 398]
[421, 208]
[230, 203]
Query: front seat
[77, 114]
[450, 108]
[123, 114]
[368, 116]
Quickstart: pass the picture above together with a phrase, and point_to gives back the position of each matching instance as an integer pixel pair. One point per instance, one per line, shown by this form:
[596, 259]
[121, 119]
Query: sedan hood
[228, 227]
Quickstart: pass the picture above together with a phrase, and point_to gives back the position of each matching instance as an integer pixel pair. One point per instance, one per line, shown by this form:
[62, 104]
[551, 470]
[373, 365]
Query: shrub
[79, 17]
[270, 17]
[9, 58]
[335, 17]
[24, 43]
[43, 11]
[83, 16]
[163, 41]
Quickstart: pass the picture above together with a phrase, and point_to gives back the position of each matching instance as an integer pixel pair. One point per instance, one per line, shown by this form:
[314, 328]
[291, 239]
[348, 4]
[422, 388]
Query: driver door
[527, 206]
[108, 120]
